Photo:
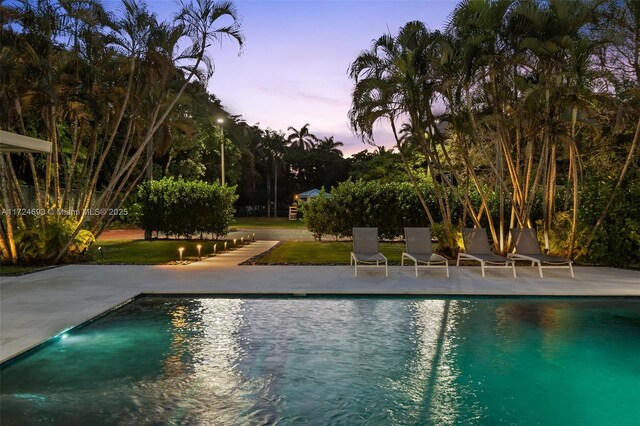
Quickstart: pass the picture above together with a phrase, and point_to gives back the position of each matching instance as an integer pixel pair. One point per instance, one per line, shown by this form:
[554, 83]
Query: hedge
[388, 206]
[392, 206]
[186, 208]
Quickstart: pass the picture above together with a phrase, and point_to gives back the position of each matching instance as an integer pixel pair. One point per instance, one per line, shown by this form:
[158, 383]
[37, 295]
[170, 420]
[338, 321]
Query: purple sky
[293, 68]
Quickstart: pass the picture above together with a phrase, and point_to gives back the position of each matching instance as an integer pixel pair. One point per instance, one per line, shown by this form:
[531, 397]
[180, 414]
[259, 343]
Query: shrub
[181, 208]
[618, 241]
[388, 206]
[38, 243]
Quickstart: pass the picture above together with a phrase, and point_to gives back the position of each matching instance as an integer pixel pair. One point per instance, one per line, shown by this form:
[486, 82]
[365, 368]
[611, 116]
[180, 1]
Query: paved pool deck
[38, 306]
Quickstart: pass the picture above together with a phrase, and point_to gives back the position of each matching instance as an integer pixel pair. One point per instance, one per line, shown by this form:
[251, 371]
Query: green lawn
[153, 252]
[8, 270]
[266, 222]
[323, 253]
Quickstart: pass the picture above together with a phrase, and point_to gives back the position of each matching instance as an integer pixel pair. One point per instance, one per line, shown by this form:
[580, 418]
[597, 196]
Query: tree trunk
[268, 193]
[6, 205]
[275, 187]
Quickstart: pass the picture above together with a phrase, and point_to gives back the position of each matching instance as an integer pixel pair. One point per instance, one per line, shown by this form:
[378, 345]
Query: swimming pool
[177, 360]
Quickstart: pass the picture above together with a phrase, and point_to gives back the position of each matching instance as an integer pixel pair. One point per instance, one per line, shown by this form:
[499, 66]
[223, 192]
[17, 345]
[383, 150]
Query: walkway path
[36, 307]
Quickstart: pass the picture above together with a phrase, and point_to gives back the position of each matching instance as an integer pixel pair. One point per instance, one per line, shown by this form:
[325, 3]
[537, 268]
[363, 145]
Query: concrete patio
[38, 306]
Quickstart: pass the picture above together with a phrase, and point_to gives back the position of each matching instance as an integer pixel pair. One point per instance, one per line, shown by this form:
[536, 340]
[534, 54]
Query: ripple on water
[336, 361]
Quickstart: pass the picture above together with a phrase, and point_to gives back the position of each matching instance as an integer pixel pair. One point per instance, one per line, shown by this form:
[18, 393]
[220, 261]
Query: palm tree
[561, 55]
[301, 139]
[152, 48]
[394, 80]
[274, 144]
[329, 144]
[515, 71]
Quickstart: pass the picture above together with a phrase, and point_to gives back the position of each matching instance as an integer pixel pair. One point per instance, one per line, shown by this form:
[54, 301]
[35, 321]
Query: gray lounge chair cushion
[428, 257]
[360, 257]
[476, 241]
[526, 244]
[491, 258]
[418, 242]
[545, 258]
[525, 241]
[365, 242]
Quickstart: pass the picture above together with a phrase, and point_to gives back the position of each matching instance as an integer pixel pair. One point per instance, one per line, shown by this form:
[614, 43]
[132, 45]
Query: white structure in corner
[13, 142]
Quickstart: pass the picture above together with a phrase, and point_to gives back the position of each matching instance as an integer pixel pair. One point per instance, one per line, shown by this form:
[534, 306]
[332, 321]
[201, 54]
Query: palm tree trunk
[412, 178]
[551, 195]
[31, 160]
[275, 187]
[55, 144]
[6, 205]
[4, 249]
[268, 193]
[573, 170]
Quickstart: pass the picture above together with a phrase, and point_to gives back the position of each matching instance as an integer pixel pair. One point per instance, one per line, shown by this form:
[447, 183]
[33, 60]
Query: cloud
[299, 96]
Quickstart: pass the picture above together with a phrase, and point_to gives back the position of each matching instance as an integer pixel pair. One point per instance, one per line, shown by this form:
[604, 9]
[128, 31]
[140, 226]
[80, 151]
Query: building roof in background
[309, 194]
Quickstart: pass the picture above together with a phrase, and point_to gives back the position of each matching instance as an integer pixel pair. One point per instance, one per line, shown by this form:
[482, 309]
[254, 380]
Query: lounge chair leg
[482, 268]
[416, 269]
[446, 265]
[386, 269]
[513, 266]
[458, 262]
[571, 270]
[540, 269]
[356, 269]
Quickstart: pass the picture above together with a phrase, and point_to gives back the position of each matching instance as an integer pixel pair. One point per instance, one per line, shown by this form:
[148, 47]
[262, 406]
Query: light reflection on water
[337, 361]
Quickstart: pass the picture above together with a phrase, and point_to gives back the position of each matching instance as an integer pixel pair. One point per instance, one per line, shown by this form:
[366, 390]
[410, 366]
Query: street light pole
[220, 121]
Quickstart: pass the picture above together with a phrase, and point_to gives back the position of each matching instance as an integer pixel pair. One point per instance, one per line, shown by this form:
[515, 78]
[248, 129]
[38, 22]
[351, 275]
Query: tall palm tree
[557, 44]
[394, 81]
[329, 144]
[153, 51]
[301, 139]
[274, 145]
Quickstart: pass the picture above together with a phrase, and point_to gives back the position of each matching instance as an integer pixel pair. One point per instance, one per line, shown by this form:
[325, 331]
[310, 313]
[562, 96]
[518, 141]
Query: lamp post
[220, 121]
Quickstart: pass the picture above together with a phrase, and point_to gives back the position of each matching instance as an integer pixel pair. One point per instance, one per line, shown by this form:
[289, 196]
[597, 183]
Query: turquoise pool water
[342, 361]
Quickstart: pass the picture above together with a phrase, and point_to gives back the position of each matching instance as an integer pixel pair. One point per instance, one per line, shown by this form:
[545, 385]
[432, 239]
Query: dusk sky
[293, 68]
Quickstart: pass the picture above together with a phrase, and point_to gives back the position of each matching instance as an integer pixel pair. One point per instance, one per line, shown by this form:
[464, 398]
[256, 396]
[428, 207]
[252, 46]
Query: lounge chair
[365, 249]
[476, 247]
[527, 248]
[420, 251]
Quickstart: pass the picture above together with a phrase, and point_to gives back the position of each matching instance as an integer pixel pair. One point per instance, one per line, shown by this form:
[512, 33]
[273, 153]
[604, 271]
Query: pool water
[342, 361]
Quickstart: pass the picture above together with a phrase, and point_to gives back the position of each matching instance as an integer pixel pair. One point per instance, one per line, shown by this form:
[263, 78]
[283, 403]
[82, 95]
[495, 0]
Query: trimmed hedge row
[388, 206]
[181, 208]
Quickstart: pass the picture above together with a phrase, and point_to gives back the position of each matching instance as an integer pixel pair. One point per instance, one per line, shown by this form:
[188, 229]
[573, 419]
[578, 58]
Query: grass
[267, 222]
[9, 270]
[323, 253]
[153, 252]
